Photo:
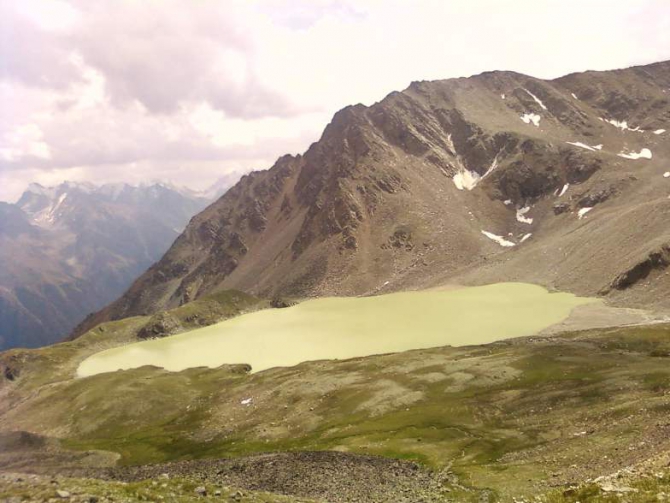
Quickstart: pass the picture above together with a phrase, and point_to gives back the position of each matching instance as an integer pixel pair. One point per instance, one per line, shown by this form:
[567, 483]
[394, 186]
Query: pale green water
[338, 328]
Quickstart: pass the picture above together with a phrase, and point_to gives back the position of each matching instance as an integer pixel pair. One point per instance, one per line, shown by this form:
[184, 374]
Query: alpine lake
[349, 327]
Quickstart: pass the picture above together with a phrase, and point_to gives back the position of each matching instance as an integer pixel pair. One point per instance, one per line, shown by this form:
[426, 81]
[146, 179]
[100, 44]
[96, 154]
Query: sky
[188, 91]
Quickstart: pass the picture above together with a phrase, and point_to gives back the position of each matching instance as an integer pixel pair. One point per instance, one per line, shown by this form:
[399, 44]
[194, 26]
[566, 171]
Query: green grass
[442, 422]
[646, 488]
[469, 420]
[503, 434]
[216, 307]
[658, 382]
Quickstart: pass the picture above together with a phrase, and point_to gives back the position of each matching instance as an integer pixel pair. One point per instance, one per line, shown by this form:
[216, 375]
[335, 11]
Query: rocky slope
[564, 183]
[69, 250]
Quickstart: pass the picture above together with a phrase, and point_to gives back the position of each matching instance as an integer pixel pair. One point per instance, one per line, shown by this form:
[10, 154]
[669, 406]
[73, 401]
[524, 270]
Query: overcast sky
[188, 90]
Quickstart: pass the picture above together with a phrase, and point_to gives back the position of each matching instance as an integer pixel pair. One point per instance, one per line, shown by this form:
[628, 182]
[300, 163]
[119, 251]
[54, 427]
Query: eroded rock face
[560, 208]
[400, 239]
[14, 362]
[160, 325]
[10, 373]
[656, 261]
[10, 367]
[281, 303]
[326, 222]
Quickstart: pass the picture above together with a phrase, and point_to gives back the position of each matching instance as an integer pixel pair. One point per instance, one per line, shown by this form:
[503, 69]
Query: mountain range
[70, 249]
[496, 177]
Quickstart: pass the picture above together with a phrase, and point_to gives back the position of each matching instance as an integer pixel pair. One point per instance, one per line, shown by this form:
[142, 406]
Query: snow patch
[564, 189]
[502, 96]
[585, 146]
[645, 153]
[466, 180]
[520, 215]
[246, 401]
[582, 213]
[537, 100]
[48, 215]
[61, 198]
[623, 125]
[507, 202]
[666, 174]
[498, 239]
[575, 96]
[526, 236]
[659, 131]
[85, 187]
[531, 118]
[37, 189]
[451, 146]
[493, 166]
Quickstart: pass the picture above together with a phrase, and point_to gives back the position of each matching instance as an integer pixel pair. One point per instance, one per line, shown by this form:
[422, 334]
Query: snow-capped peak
[40, 190]
[113, 190]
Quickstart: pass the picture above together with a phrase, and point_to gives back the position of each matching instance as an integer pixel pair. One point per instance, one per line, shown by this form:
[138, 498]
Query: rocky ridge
[463, 180]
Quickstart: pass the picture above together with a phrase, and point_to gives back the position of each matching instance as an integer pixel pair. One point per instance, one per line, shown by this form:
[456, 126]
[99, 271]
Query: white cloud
[49, 15]
[102, 90]
[25, 141]
[231, 131]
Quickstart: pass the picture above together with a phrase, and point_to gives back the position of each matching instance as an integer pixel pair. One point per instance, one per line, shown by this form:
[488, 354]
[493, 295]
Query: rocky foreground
[325, 476]
[21, 487]
[315, 477]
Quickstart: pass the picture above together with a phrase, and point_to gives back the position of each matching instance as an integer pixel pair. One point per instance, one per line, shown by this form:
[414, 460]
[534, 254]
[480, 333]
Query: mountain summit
[496, 177]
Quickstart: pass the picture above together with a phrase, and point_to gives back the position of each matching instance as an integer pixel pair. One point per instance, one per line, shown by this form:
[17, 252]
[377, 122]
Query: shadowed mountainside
[69, 250]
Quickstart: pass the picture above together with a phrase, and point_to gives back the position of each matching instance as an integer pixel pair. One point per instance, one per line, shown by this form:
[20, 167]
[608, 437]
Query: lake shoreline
[350, 327]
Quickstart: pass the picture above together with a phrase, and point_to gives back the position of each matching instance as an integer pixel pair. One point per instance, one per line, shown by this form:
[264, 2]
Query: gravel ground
[329, 476]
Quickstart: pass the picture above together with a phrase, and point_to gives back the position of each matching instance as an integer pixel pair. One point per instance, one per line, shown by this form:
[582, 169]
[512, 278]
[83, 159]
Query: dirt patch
[600, 315]
[432, 377]
[389, 395]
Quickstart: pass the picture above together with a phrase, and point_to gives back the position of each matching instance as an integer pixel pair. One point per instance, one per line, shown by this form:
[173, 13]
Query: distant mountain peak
[220, 186]
[40, 190]
[53, 190]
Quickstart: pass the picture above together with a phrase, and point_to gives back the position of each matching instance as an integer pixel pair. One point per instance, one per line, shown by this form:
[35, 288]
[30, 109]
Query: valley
[68, 250]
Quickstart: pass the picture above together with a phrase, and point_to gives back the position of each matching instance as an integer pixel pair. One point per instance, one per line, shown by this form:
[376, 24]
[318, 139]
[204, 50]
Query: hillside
[572, 416]
[75, 247]
[464, 180]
